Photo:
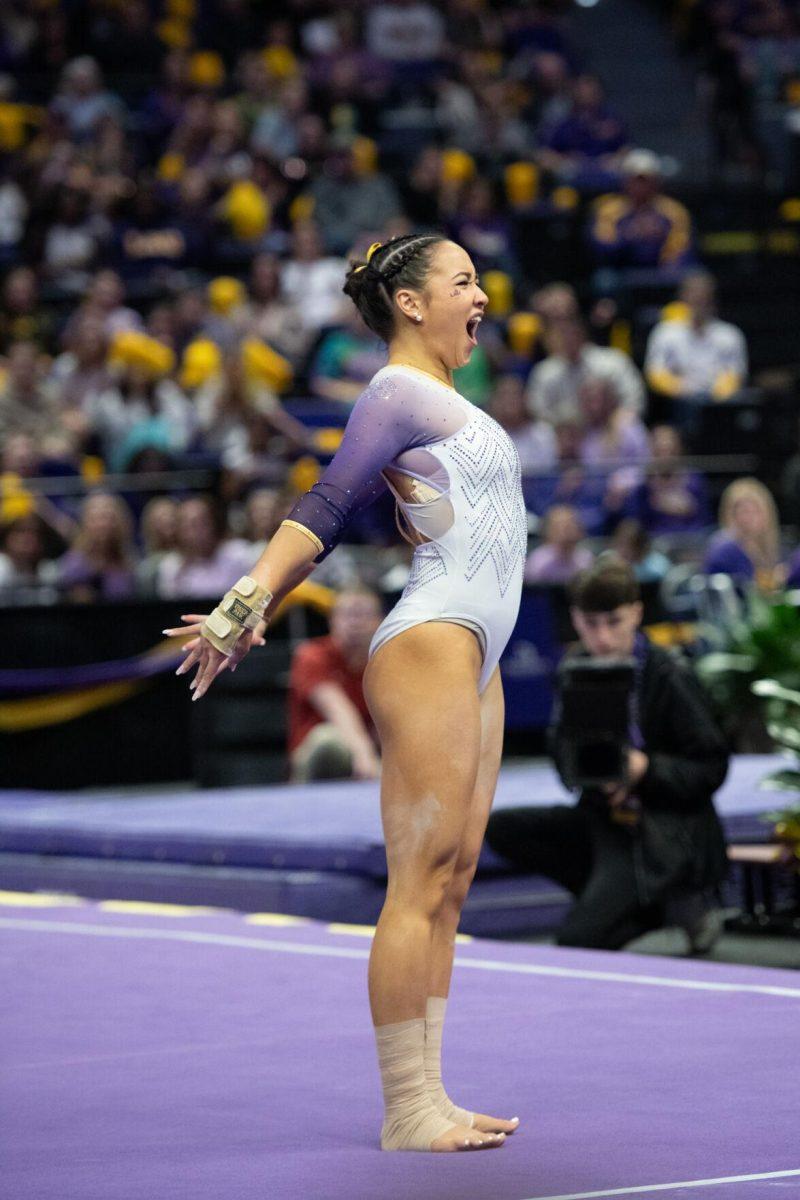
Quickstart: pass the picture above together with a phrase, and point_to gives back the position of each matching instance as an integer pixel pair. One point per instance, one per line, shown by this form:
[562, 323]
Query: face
[563, 528]
[195, 527]
[665, 442]
[508, 401]
[451, 305]
[609, 634]
[101, 519]
[597, 401]
[749, 516]
[698, 293]
[354, 620]
[24, 542]
[161, 522]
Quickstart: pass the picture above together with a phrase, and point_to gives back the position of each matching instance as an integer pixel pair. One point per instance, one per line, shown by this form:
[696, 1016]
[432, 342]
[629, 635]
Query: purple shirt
[206, 576]
[109, 583]
[548, 565]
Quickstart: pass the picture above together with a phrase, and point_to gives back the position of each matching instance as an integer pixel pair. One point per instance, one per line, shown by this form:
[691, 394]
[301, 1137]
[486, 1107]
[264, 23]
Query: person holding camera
[632, 730]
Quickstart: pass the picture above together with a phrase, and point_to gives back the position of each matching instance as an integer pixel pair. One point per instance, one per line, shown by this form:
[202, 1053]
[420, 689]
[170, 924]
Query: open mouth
[472, 329]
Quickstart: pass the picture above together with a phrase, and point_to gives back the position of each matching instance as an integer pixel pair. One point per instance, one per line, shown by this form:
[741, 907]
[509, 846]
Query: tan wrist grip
[241, 608]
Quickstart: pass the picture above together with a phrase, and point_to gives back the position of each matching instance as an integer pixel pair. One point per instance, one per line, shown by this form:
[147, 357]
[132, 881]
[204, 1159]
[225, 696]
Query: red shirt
[317, 661]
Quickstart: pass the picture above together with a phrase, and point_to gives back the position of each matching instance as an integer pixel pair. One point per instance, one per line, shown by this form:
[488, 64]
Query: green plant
[783, 725]
[760, 641]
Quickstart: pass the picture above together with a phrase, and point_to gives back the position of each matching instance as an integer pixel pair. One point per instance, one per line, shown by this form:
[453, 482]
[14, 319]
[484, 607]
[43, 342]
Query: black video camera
[591, 721]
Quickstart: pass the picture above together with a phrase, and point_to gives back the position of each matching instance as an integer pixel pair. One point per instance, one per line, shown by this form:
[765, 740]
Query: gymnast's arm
[385, 421]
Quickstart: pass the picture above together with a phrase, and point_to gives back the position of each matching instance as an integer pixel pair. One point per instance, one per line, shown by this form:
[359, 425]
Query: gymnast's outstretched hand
[210, 661]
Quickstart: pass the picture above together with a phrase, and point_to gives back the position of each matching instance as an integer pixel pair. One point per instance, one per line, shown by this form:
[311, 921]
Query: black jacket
[679, 840]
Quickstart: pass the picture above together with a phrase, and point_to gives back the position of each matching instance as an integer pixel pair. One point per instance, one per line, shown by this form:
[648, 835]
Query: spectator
[22, 316]
[346, 360]
[13, 215]
[631, 544]
[142, 394]
[82, 100]
[82, 371]
[313, 282]
[105, 301]
[28, 401]
[560, 556]
[671, 499]
[614, 442]
[700, 357]
[159, 531]
[484, 232]
[73, 241]
[405, 33]
[264, 509]
[270, 316]
[650, 842]
[348, 204]
[642, 227]
[331, 735]
[585, 146]
[747, 545]
[206, 561]
[554, 384]
[535, 440]
[100, 564]
[28, 572]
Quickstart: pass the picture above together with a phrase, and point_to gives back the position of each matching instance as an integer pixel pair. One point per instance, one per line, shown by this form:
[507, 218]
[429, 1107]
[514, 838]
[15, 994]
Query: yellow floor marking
[39, 899]
[146, 907]
[275, 919]
[463, 939]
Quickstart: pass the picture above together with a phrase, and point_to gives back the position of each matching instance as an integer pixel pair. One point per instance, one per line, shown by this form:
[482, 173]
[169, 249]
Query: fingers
[191, 658]
[194, 618]
[207, 672]
[182, 630]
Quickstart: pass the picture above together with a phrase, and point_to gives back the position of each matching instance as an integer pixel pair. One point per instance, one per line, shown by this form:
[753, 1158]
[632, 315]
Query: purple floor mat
[149, 1057]
[330, 827]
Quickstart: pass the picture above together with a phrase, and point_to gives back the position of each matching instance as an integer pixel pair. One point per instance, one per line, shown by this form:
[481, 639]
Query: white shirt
[697, 356]
[405, 34]
[316, 289]
[553, 384]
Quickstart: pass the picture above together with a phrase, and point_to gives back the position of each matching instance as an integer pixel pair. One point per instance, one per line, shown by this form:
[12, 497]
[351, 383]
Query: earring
[417, 317]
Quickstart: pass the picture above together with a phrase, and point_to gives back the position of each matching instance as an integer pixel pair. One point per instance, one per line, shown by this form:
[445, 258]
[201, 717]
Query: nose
[480, 296]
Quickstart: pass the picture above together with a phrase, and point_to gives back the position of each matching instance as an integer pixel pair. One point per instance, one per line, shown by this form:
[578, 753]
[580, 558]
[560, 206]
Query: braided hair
[403, 262]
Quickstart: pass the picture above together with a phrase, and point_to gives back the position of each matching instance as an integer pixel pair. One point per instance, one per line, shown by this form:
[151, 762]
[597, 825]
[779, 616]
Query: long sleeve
[394, 413]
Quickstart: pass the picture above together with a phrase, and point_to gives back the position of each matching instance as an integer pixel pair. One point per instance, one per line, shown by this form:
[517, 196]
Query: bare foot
[461, 1137]
[486, 1124]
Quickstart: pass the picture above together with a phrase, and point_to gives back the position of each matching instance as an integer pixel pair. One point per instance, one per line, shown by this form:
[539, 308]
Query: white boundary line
[315, 951]
[671, 1187]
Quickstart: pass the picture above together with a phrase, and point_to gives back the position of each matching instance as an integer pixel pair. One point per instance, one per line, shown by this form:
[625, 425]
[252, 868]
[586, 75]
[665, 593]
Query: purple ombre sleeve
[389, 417]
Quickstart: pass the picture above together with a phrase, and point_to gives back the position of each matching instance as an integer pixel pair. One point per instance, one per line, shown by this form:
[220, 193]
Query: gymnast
[432, 682]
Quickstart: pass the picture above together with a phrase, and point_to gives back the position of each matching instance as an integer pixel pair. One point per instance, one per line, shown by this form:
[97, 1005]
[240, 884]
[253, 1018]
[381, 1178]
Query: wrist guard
[241, 608]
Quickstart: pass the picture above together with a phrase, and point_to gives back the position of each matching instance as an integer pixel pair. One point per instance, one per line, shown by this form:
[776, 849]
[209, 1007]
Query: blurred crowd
[181, 185]
[751, 55]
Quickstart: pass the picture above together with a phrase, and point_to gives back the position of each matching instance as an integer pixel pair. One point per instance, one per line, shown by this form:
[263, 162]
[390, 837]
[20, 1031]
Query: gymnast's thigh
[422, 691]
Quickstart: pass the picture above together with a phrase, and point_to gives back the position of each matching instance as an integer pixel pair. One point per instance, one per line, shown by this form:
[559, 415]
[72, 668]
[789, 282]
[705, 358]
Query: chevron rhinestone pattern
[425, 567]
[491, 484]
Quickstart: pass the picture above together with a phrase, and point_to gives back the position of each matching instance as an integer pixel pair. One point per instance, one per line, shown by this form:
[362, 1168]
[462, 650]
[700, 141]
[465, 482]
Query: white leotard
[455, 474]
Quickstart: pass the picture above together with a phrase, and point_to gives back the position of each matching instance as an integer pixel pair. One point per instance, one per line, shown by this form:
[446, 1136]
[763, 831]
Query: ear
[408, 301]
[638, 612]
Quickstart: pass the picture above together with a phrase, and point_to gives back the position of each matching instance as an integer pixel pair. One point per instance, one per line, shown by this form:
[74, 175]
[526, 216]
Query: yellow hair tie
[363, 267]
[375, 246]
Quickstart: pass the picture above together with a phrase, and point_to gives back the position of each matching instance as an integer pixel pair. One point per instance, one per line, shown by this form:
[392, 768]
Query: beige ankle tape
[411, 1122]
[434, 1028]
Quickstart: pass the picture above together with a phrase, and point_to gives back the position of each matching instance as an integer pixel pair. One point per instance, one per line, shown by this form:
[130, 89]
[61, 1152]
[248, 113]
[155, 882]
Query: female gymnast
[432, 682]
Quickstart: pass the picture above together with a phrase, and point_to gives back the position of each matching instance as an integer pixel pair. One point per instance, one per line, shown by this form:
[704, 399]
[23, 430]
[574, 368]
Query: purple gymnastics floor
[157, 1054]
